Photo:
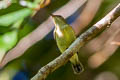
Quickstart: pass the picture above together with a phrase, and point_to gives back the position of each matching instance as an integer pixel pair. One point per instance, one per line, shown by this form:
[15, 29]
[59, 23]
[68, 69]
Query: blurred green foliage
[11, 18]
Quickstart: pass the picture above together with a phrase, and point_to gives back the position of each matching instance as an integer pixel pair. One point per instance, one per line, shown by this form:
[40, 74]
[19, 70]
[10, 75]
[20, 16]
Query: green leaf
[11, 18]
[9, 39]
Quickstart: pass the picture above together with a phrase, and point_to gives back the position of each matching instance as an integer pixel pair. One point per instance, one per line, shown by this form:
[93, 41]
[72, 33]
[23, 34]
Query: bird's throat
[59, 32]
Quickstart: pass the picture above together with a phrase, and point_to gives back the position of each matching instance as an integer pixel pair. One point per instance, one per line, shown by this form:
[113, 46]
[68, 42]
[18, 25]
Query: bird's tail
[76, 64]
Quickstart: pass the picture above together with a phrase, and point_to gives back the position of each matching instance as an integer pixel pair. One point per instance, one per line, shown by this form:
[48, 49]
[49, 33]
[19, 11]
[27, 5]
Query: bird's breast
[59, 33]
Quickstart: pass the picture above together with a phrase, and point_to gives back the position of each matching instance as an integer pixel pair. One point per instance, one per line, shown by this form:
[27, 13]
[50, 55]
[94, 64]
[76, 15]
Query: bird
[64, 36]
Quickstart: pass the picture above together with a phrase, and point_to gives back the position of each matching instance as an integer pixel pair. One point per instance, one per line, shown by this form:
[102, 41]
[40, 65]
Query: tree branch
[77, 44]
[99, 41]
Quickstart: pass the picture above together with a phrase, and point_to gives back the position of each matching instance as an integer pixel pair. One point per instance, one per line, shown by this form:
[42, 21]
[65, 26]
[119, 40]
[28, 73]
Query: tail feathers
[76, 64]
[78, 68]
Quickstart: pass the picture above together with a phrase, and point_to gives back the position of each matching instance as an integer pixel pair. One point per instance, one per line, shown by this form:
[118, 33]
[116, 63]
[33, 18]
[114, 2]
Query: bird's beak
[52, 15]
[53, 18]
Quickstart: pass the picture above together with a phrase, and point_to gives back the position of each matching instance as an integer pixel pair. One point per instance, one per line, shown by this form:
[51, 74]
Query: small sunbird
[64, 36]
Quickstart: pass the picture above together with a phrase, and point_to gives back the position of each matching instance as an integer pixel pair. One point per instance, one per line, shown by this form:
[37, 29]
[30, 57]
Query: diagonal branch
[77, 44]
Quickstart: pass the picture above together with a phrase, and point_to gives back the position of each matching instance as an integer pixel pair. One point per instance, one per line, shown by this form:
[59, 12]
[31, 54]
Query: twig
[77, 44]
[115, 43]
[40, 32]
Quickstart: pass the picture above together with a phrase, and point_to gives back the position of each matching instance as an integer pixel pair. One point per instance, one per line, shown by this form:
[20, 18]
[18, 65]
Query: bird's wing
[71, 32]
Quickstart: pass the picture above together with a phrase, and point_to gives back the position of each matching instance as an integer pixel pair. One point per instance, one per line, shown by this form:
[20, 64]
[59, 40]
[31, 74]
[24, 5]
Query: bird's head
[59, 21]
